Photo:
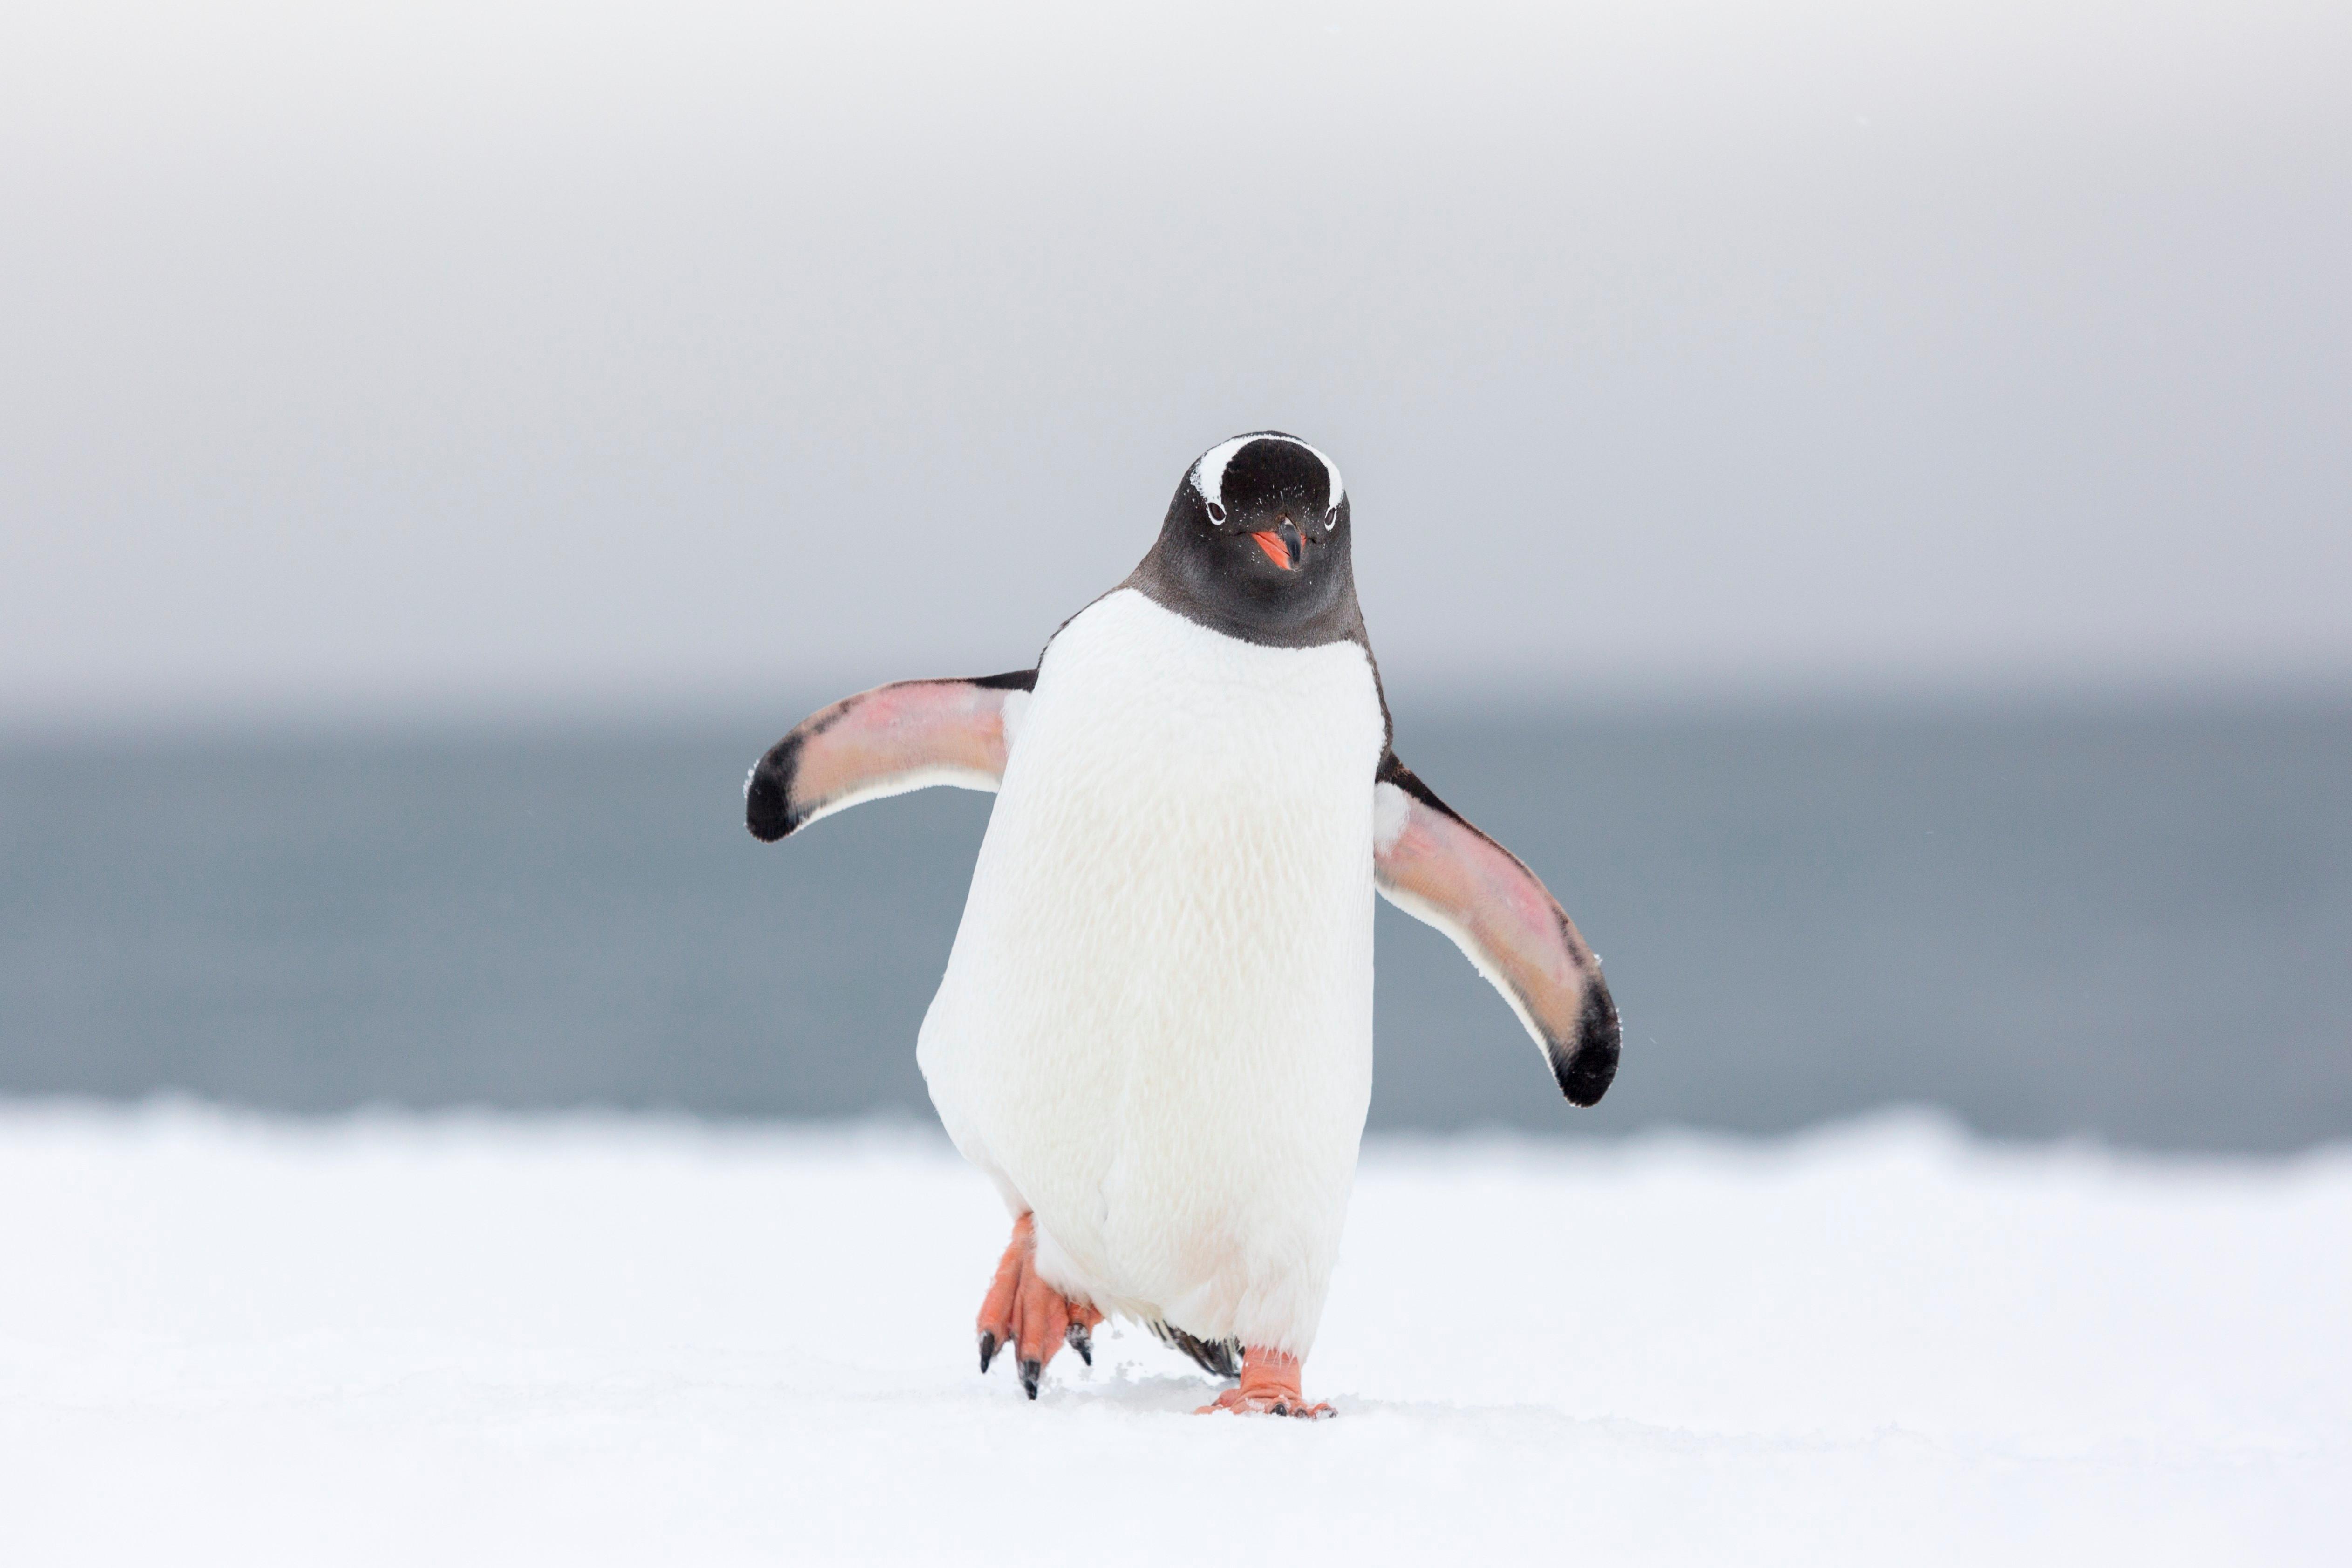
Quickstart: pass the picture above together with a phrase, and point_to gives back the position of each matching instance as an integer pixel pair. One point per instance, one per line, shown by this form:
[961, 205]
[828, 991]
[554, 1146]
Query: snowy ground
[585, 1340]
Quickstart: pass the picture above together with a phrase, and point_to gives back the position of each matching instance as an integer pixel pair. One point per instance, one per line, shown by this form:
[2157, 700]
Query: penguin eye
[1331, 519]
[1216, 514]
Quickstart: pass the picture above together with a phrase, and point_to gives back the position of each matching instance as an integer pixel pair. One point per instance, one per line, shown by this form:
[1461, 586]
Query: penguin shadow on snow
[1132, 1374]
[1136, 1378]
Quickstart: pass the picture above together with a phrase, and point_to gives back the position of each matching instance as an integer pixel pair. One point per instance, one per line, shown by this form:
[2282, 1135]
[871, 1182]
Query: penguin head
[1256, 539]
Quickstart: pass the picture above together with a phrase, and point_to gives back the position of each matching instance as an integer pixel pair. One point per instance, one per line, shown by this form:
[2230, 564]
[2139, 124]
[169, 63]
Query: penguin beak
[1282, 544]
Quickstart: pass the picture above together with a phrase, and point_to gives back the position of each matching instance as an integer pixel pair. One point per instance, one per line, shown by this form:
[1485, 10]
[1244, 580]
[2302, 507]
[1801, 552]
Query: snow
[481, 1339]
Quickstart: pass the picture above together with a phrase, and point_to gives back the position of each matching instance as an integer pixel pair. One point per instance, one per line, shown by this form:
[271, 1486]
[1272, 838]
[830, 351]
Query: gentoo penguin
[1155, 1031]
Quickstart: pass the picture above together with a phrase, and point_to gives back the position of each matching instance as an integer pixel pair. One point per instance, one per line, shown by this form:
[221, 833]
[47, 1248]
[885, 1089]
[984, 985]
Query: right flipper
[906, 736]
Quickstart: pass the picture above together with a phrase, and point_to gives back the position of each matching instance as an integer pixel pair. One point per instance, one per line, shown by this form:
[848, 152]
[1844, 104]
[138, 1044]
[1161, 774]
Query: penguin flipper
[1439, 869]
[906, 736]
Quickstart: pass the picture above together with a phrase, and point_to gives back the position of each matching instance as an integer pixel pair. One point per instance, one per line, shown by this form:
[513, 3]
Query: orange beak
[1276, 549]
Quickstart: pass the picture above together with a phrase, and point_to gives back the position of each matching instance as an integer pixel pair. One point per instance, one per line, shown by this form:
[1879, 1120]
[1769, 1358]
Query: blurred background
[1858, 497]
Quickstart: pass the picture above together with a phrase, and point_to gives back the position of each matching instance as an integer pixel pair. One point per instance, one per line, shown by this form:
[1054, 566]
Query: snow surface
[483, 1338]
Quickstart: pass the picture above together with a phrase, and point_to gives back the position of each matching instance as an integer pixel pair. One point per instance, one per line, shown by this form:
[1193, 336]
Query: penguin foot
[1023, 1314]
[1269, 1386]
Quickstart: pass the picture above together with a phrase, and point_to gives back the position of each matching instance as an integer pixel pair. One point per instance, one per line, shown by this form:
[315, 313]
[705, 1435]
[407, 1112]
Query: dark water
[2129, 923]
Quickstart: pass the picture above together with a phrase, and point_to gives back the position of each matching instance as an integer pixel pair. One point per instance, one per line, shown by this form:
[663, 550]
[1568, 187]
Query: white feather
[1392, 814]
[1155, 1028]
[1015, 709]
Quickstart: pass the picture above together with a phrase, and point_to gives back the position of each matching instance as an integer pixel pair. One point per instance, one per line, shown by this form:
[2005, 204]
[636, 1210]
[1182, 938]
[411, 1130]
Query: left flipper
[1438, 868]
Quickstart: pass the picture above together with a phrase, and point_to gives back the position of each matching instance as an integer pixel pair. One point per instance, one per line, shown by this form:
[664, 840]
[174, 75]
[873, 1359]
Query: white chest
[1188, 789]
[1178, 864]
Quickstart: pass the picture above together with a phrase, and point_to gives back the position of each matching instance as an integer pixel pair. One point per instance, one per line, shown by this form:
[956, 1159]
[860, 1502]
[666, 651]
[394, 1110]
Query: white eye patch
[1209, 473]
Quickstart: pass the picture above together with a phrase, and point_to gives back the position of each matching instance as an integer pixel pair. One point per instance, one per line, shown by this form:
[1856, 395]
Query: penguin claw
[1024, 1315]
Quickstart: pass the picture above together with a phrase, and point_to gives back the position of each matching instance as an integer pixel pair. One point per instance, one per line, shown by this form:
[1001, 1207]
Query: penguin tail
[1218, 1358]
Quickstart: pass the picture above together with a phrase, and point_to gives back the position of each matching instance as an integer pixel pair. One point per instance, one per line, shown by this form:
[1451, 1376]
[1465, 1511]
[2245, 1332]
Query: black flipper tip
[1031, 1371]
[768, 792]
[987, 1352]
[1589, 1068]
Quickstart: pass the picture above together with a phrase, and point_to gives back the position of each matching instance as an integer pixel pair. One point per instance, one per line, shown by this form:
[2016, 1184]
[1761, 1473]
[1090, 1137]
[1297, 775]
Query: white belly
[1156, 1025]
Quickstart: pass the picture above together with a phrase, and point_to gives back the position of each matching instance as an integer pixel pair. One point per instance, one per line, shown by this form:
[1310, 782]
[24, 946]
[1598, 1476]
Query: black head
[1255, 544]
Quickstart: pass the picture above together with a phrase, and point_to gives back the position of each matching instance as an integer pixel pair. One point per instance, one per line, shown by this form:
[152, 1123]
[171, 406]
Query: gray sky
[418, 356]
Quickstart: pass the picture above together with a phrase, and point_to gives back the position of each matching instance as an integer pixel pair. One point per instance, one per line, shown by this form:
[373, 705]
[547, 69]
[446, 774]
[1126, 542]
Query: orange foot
[1024, 1312]
[1269, 1386]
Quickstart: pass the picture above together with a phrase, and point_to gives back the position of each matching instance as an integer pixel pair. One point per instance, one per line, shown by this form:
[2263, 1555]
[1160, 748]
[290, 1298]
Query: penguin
[1154, 1033]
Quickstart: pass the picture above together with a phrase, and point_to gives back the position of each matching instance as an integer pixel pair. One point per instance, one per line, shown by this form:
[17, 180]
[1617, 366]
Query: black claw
[1031, 1371]
[1081, 1342]
[987, 1351]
